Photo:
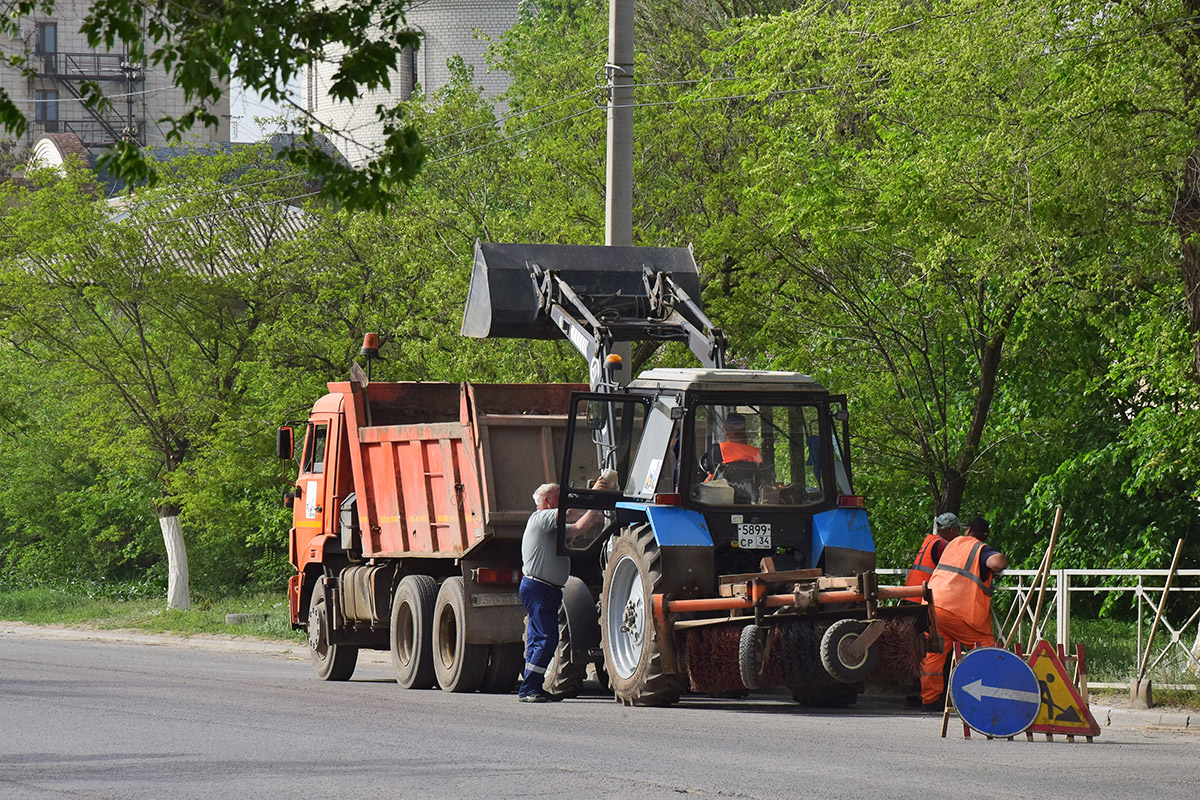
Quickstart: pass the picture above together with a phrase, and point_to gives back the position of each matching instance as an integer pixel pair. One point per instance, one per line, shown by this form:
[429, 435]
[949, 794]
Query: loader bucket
[502, 302]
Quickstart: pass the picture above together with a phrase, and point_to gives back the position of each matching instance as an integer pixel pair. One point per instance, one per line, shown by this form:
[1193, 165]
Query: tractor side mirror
[596, 415]
[285, 442]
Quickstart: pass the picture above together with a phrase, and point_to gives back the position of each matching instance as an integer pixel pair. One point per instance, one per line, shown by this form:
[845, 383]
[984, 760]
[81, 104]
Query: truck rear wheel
[412, 632]
[459, 666]
[632, 653]
[332, 662]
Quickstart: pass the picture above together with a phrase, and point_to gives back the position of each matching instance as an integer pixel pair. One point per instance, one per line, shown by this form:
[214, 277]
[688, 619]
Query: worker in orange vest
[962, 600]
[734, 448]
[945, 530]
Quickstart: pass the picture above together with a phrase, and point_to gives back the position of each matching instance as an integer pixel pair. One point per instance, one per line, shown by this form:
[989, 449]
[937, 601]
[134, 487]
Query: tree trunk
[177, 563]
[990, 351]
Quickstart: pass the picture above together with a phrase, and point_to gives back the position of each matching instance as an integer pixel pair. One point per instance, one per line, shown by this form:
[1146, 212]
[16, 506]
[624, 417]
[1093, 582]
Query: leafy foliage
[962, 215]
[204, 44]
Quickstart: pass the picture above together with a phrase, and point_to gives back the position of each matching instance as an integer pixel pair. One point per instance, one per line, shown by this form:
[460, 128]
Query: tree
[203, 44]
[149, 315]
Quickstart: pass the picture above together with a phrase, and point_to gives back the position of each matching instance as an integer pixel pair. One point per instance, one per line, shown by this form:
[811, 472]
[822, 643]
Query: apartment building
[448, 28]
[51, 100]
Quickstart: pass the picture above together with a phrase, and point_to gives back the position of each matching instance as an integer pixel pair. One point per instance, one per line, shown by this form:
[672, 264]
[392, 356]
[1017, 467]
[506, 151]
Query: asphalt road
[154, 718]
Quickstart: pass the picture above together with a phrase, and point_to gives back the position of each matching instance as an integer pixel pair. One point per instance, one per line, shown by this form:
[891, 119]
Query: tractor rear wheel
[459, 666]
[505, 661]
[332, 662]
[577, 630]
[632, 652]
[412, 632]
[563, 676]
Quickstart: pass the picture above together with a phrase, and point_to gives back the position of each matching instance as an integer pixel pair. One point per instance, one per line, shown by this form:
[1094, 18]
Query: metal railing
[89, 66]
[1172, 643]
[91, 132]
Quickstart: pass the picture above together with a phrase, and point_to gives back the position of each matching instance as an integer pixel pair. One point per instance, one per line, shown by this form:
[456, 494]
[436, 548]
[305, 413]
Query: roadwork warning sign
[1062, 709]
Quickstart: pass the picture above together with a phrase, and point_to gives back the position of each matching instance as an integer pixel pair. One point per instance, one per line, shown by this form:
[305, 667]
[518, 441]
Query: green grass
[44, 606]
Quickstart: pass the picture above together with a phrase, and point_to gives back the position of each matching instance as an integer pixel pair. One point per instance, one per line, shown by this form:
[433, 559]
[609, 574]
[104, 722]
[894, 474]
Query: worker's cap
[735, 421]
[946, 521]
[980, 525]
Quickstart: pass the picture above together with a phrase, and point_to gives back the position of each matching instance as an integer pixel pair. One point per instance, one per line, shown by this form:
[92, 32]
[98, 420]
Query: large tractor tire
[412, 632]
[576, 621]
[632, 652]
[505, 664]
[564, 677]
[332, 662]
[459, 666]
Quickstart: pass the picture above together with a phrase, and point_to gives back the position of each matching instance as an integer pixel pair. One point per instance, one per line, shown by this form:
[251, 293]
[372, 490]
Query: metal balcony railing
[88, 66]
[91, 132]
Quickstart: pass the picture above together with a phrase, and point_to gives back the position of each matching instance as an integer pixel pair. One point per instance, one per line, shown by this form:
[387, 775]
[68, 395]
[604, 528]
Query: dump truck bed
[441, 468]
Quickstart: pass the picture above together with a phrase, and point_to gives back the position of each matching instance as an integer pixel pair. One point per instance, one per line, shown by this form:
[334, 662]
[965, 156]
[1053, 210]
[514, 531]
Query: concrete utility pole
[618, 203]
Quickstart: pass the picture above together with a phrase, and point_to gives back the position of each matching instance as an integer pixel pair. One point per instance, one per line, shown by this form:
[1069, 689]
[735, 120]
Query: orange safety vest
[923, 564]
[957, 586]
[736, 451]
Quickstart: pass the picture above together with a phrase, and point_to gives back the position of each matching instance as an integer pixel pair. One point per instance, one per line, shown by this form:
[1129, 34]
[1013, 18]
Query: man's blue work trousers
[541, 601]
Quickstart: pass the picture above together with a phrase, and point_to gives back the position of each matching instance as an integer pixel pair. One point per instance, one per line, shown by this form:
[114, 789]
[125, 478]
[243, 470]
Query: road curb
[1143, 718]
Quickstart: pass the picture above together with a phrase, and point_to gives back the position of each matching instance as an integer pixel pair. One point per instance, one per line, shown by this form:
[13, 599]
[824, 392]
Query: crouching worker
[961, 585]
[544, 573]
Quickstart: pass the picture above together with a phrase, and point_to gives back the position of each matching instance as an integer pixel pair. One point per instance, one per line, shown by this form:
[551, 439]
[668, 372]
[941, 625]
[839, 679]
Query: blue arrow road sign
[995, 692]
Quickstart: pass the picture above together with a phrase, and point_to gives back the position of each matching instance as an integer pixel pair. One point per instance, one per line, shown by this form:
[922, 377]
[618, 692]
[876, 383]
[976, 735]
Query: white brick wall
[153, 97]
[448, 28]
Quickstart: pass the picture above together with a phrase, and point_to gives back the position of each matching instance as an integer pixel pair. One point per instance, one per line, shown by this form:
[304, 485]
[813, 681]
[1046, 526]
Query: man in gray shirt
[544, 573]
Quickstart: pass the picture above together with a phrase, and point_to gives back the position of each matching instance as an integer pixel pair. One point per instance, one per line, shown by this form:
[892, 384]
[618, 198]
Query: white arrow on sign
[977, 690]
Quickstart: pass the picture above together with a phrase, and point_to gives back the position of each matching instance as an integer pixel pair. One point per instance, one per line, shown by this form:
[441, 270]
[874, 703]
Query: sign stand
[1060, 693]
[1064, 693]
[994, 691]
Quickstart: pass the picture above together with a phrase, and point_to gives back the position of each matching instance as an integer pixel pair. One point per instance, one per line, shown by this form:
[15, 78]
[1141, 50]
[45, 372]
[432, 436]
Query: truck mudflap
[824, 632]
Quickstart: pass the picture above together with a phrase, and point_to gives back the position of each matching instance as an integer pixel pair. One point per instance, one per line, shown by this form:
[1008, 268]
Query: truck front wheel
[632, 652]
[332, 662]
[459, 666]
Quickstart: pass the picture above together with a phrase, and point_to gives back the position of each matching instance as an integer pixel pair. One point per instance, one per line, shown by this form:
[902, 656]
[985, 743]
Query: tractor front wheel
[632, 652]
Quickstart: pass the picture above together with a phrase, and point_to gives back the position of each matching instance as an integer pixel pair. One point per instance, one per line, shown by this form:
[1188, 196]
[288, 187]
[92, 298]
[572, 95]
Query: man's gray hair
[539, 494]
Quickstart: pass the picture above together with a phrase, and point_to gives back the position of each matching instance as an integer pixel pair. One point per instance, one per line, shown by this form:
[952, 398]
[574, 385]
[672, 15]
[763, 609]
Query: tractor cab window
[603, 436]
[758, 455]
[314, 449]
[603, 432]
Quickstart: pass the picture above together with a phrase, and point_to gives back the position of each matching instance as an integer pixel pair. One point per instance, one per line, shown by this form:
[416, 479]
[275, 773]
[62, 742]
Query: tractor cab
[749, 457]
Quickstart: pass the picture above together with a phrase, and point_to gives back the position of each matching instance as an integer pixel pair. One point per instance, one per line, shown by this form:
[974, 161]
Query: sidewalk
[1145, 718]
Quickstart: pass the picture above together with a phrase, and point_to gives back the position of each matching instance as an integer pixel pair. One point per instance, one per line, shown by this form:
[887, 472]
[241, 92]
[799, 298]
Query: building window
[46, 46]
[47, 39]
[46, 109]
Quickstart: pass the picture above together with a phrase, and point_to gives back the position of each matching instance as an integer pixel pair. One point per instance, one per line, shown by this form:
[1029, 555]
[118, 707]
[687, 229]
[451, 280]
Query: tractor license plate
[754, 536]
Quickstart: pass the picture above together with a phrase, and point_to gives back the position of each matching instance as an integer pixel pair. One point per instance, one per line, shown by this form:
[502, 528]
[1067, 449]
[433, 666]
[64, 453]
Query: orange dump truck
[408, 513]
